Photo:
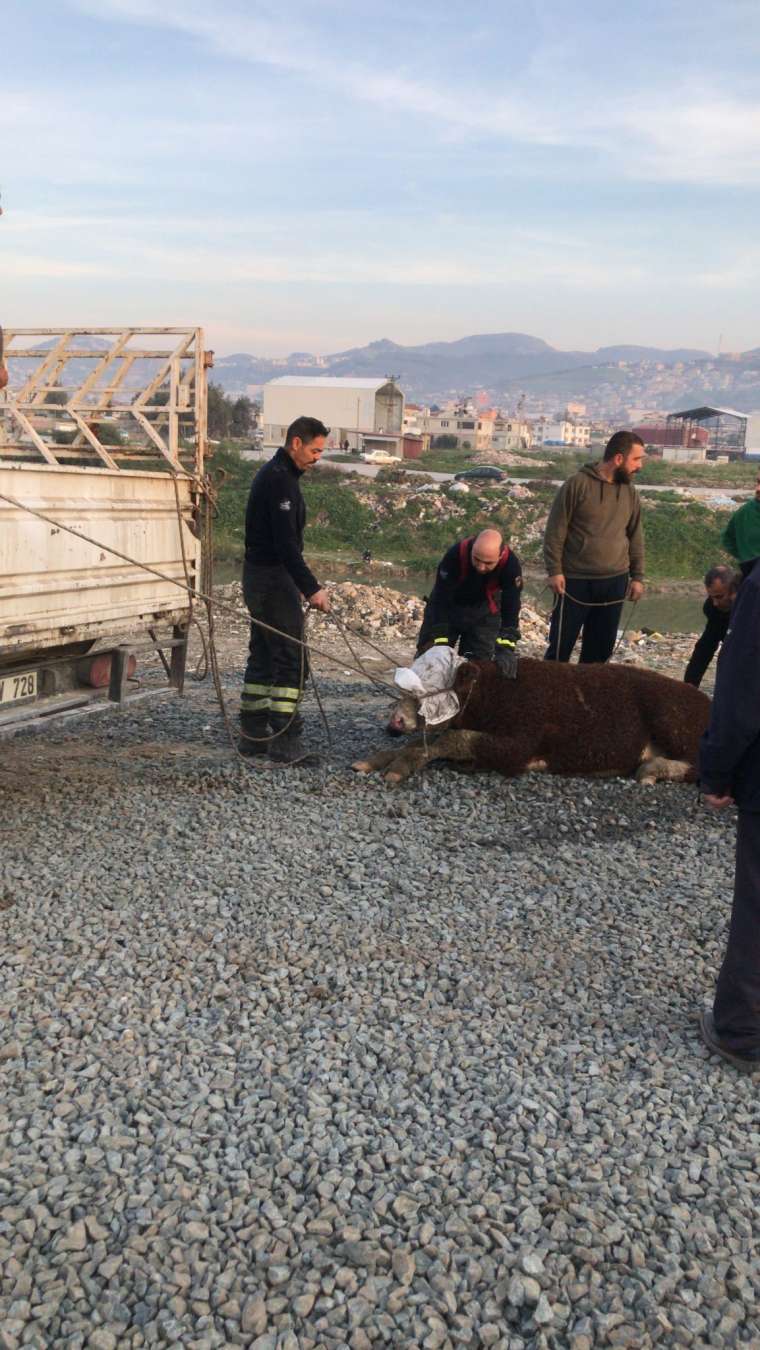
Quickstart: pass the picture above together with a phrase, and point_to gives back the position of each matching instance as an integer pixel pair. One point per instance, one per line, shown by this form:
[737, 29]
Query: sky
[313, 175]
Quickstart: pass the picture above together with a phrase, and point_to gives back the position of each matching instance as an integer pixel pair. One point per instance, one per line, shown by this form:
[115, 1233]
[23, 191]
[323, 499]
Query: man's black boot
[254, 734]
[289, 748]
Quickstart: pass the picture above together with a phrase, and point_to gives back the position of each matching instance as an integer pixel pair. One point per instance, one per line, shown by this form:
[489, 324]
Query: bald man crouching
[476, 602]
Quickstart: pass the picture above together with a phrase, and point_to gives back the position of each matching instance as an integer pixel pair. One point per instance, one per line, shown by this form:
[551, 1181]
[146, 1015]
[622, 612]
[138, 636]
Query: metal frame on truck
[102, 453]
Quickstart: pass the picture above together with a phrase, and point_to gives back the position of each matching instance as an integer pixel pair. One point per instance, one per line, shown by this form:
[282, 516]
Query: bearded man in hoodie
[594, 551]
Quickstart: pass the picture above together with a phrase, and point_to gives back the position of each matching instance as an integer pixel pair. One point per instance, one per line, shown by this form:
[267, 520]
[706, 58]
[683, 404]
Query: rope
[590, 604]
[207, 599]
[212, 603]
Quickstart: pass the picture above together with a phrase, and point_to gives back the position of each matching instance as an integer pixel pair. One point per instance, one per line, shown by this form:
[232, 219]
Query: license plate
[13, 688]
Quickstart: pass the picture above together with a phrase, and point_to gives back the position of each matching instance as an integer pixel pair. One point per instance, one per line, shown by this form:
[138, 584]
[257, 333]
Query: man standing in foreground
[275, 577]
[594, 551]
[476, 600]
[729, 771]
[741, 537]
[721, 585]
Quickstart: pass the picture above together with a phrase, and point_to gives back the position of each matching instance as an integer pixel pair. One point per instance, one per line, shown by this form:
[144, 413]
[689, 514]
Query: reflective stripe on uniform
[265, 689]
[249, 704]
[280, 691]
[284, 705]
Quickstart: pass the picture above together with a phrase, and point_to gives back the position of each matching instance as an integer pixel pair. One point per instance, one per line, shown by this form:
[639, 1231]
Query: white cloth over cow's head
[430, 679]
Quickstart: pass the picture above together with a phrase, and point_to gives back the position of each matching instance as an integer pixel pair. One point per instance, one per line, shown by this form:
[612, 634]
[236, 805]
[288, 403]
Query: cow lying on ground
[588, 720]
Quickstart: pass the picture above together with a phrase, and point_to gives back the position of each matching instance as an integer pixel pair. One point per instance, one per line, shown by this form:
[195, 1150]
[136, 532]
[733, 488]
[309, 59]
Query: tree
[444, 442]
[219, 413]
[243, 418]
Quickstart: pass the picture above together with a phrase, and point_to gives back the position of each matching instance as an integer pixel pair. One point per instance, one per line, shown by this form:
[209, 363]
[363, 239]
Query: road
[372, 470]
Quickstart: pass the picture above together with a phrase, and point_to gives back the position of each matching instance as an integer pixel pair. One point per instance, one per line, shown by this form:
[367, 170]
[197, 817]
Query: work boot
[254, 734]
[749, 1063]
[290, 749]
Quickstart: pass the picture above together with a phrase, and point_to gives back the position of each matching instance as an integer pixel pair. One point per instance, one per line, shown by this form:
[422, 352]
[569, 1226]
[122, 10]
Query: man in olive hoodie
[594, 551]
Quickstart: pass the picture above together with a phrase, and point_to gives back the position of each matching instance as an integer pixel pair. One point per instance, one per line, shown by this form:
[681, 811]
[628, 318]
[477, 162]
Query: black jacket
[275, 520]
[452, 592]
[730, 753]
[708, 644]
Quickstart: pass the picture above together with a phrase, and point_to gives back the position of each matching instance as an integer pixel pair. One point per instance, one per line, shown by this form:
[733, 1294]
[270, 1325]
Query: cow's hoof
[361, 766]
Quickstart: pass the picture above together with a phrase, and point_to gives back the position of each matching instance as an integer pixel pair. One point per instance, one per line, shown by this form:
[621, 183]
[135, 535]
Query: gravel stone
[293, 1060]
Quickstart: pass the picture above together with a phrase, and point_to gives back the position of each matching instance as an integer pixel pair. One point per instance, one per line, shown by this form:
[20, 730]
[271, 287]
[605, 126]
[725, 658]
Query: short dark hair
[718, 573]
[622, 443]
[727, 575]
[307, 429]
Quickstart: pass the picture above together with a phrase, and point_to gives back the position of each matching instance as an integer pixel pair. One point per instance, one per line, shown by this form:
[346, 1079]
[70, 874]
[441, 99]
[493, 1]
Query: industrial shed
[731, 433]
[351, 408]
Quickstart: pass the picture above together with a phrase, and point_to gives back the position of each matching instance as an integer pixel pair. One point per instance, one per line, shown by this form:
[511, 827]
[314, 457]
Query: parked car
[484, 471]
[380, 457]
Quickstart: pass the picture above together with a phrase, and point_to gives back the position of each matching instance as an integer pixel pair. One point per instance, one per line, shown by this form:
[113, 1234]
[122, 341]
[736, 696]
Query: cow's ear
[466, 677]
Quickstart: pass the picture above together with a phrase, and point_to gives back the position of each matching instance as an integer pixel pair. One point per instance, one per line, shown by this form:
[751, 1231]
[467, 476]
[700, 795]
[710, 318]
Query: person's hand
[635, 590]
[557, 584]
[505, 653]
[319, 600]
[715, 802]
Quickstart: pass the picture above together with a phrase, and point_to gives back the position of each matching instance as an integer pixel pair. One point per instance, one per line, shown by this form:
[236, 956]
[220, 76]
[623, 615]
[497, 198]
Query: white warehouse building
[354, 410]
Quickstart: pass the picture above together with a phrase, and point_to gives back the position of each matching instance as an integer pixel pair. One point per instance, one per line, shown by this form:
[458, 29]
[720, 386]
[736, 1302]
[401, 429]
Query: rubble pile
[376, 611]
[393, 618]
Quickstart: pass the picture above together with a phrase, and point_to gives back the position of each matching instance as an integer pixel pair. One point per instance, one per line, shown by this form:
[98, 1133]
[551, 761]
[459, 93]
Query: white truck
[102, 434]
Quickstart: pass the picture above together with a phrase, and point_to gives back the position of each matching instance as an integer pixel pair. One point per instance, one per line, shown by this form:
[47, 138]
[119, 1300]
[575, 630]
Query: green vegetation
[233, 476]
[682, 539]
[348, 515]
[718, 476]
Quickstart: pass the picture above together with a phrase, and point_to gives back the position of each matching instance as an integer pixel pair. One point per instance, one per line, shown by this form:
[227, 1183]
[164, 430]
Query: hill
[503, 366]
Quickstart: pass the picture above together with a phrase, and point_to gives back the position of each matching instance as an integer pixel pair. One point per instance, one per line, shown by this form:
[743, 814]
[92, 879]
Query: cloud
[693, 132]
[41, 267]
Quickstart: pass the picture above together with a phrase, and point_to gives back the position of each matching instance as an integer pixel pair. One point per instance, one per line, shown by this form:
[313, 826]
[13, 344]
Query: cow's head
[405, 717]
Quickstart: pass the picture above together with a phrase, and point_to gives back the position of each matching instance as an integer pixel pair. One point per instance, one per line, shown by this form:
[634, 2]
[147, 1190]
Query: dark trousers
[474, 628]
[277, 669]
[737, 996]
[599, 626]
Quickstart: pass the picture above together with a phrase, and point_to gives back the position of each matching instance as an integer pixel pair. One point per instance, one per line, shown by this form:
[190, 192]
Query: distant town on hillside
[520, 372]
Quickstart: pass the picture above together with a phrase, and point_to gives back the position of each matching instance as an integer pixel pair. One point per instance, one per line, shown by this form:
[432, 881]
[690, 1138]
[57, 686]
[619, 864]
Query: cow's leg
[461, 746]
[382, 758]
[655, 768]
[506, 754]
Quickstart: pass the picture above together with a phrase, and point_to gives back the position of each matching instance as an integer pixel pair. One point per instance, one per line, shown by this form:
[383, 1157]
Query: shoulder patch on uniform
[285, 504]
[518, 583]
[442, 573]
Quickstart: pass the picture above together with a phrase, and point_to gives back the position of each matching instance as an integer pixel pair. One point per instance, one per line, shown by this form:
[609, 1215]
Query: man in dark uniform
[721, 585]
[729, 770]
[275, 578]
[476, 601]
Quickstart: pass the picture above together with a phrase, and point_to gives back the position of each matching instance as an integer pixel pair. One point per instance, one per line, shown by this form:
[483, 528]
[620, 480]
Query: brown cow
[588, 720]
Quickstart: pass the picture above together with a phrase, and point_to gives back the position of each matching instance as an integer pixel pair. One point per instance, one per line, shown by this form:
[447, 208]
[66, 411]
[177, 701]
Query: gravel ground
[290, 1060]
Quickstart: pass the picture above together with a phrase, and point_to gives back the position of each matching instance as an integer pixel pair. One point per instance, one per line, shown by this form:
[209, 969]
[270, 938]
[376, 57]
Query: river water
[671, 610]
